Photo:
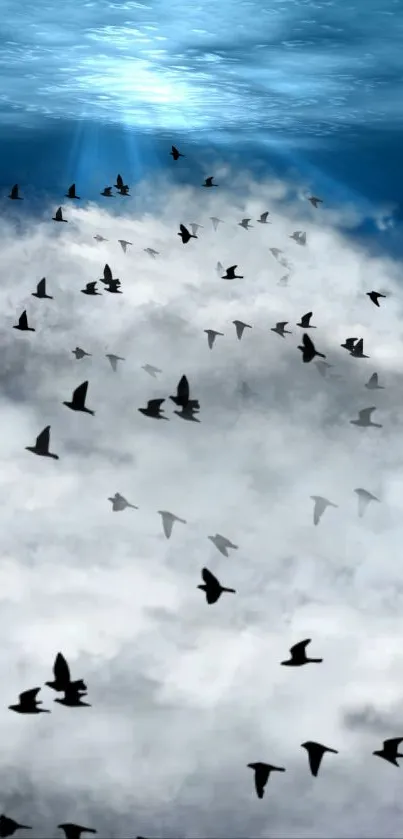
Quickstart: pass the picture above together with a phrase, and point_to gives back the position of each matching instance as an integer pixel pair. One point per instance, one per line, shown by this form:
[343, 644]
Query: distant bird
[357, 350]
[372, 383]
[113, 359]
[216, 221]
[73, 697]
[209, 182]
[188, 413]
[364, 498]
[390, 750]
[305, 321]
[71, 192]
[308, 349]
[168, 520]
[185, 235]
[79, 353]
[153, 409]
[299, 656]
[9, 826]
[22, 324]
[375, 296]
[222, 543]
[119, 183]
[58, 216]
[123, 244]
[349, 344]
[315, 754]
[263, 218]
[212, 587]
[114, 287]
[299, 237]
[78, 400]
[240, 326]
[41, 446]
[279, 328]
[175, 153]
[28, 703]
[245, 223]
[231, 275]
[14, 195]
[91, 289]
[120, 503]
[101, 238]
[323, 367]
[275, 252]
[152, 371]
[283, 281]
[364, 419]
[124, 190]
[182, 397]
[62, 680]
[41, 291]
[74, 831]
[151, 252]
[107, 192]
[315, 201]
[211, 336]
[195, 227]
[320, 506]
[262, 774]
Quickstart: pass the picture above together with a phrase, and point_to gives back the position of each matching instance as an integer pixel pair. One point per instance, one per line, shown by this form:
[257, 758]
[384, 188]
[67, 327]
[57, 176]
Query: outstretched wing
[23, 321]
[300, 647]
[79, 394]
[42, 440]
[41, 287]
[28, 696]
[155, 403]
[167, 523]
[366, 413]
[61, 669]
[183, 390]
[209, 578]
[107, 274]
[306, 318]
[308, 344]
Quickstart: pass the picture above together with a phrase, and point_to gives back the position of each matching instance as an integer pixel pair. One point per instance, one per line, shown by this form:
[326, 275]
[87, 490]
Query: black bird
[315, 201]
[299, 656]
[62, 680]
[188, 413]
[185, 235]
[124, 190]
[349, 344]
[9, 826]
[390, 750]
[280, 328]
[153, 409]
[175, 153]
[305, 321]
[80, 353]
[209, 182]
[28, 703]
[107, 192]
[357, 351]
[78, 400]
[374, 296]
[74, 831]
[262, 774]
[58, 216]
[23, 324]
[315, 754]
[372, 383]
[308, 349]
[42, 445]
[182, 397]
[41, 291]
[14, 194]
[90, 289]
[231, 275]
[71, 192]
[114, 287]
[212, 587]
[73, 697]
[119, 183]
[263, 218]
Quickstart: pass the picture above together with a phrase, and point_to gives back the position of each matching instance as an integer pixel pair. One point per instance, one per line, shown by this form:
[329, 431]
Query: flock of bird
[74, 691]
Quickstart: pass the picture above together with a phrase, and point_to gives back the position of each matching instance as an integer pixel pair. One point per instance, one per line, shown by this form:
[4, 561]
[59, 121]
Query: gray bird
[168, 520]
[219, 268]
[40, 292]
[315, 754]
[28, 703]
[240, 326]
[79, 353]
[152, 371]
[390, 750]
[120, 503]
[299, 656]
[364, 498]
[315, 201]
[263, 218]
[357, 350]
[245, 223]
[280, 330]
[364, 419]
[372, 383]
[231, 275]
[209, 182]
[212, 587]
[320, 506]
[211, 336]
[305, 321]
[283, 281]
[123, 244]
[114, 360]
[58, 216]
[216, 221]
[8, 826]
[151, 252]
[262, 773]
[41, 446]
[195, 227]
[91, 289]
[101, 238]
[222, 543]
[375, 296]
[299, 237]
[188, 412]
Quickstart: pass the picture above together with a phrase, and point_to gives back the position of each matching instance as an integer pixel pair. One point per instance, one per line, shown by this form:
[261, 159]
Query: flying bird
[185, 235]
[263, 218]
[182, 397]
[151, 252]
[315, 201]
[308, 349]
[114, 287]
[209, 182]
[152, 371]
[211, 336]
[212, 587]
[168, 520]
[262, 774]
[305, 321]
[315, 754]
[175, 153]
[231, 275]
[299, 237]
[14, 194]
[58, 216]
[364, 419]
[240, 326]
[73, 697]
[120, 503]
[91, 289]
[41, 291]
[123, 244]
[320, 506]
[41, 446]
[153, 409]
[279, 328]
[22, 324]
[114, 360]
[222, 543]
[101, 238]
[8, 826]
[28, 703]
[78, 400]
[364, 498]
[74, 831]
[216, 221]
[62, 680]
[357, 351]
[245, 223]
[372, 383]
[375, 296]
[349, 344]
[299, 656]
[107, 192]
[188, 413]
[71, 192]
[79, 353]
[390, 750]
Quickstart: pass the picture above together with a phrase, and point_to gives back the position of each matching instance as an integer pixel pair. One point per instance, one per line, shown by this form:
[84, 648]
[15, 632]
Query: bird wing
[281, 324]
[392, 743]
[61, 669]
[315, 759]
[208, 577]
[263, 216]
[167, 523]
[28, 696]
[300, 647]
[91, 286]
[359, 346]
[374, 379]
[155, 403]
[210, 339]
[231, 269]
[107, 273]
[319, 508]
[41, 287]
[308, 344]
[79, 394]
[42, 440]
[14, 190]
[175, 150]
[182, 390]
[58, 214]
[306, 318]
[113, 361]
[365, 414]
[209, 180]
[23, 320]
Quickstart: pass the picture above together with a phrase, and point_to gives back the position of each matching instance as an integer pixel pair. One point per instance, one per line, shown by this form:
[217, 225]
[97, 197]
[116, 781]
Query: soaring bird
[185, 235]
[216, 221]
[58, 216]
[182, 397]
[22, 324]
[100, 238]
[41, 290]
[62, 680]
[315, 201]
[262, 774]
[390, 750]
[78, 400]
[375, 296]
[80, 353]
[305, 321]
[120, 503]
[113, 359]
[308, 349]
[151, 370]
[28, 703]
[71, 192]
[222, 543]
[357, 351]
[41, 446]
[153, 409]
[299, 656]
[320, 506]
[315, 754]
[231, 275]
[74, 831]
[245, 223]
[364, 498]
[151, 252]
[364, 418]
[211, 336]
[209, 182]
[279, 328]
[123, 244]
[14, 194]
[107, 275]
[263, 218]
[212, 587]
[372, 383]
[240, 326]
[8, 826]
[299, 237]
[168, 520]
[175, 153]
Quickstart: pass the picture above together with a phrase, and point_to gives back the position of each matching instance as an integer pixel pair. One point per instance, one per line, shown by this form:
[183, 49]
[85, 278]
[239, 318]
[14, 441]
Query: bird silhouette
[212, 587]
[113, 359]
[152, 371]
[263, 218]
[175, 153]
[305, 321]
[168, 520]
[185, 235]
[22, 324]
[209, 182]
[107, 192]
[151, 252]
[372, 383]
[188, 413]
[79, 353]
[245, 223]
[349, 344]
[308, 349]
[71, 192]
[211, 336]
[8, 826]
[28, 703]
[364, 419]
[153, 409]
[14, 194]
[275, 252]
[216, 221]
[262, 773]
[78, 400]
[120, 503]
[41, 446]
[279, 328]
[299, 237]
[124, 190]
[315, 201]
[315, 754]
[231, 275]
[222, 543]
[364, 498]
[195, 227]
[58, 216]
[182, 397]
[62, 680]
[240, 326]
[73, 697]
[100, 238]
[299, 656]
[390, 750]
[320, 506]
[357, 351]
[114, 287]
[41, 291]
[375, 296]
[123, 244]
[74, 831]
